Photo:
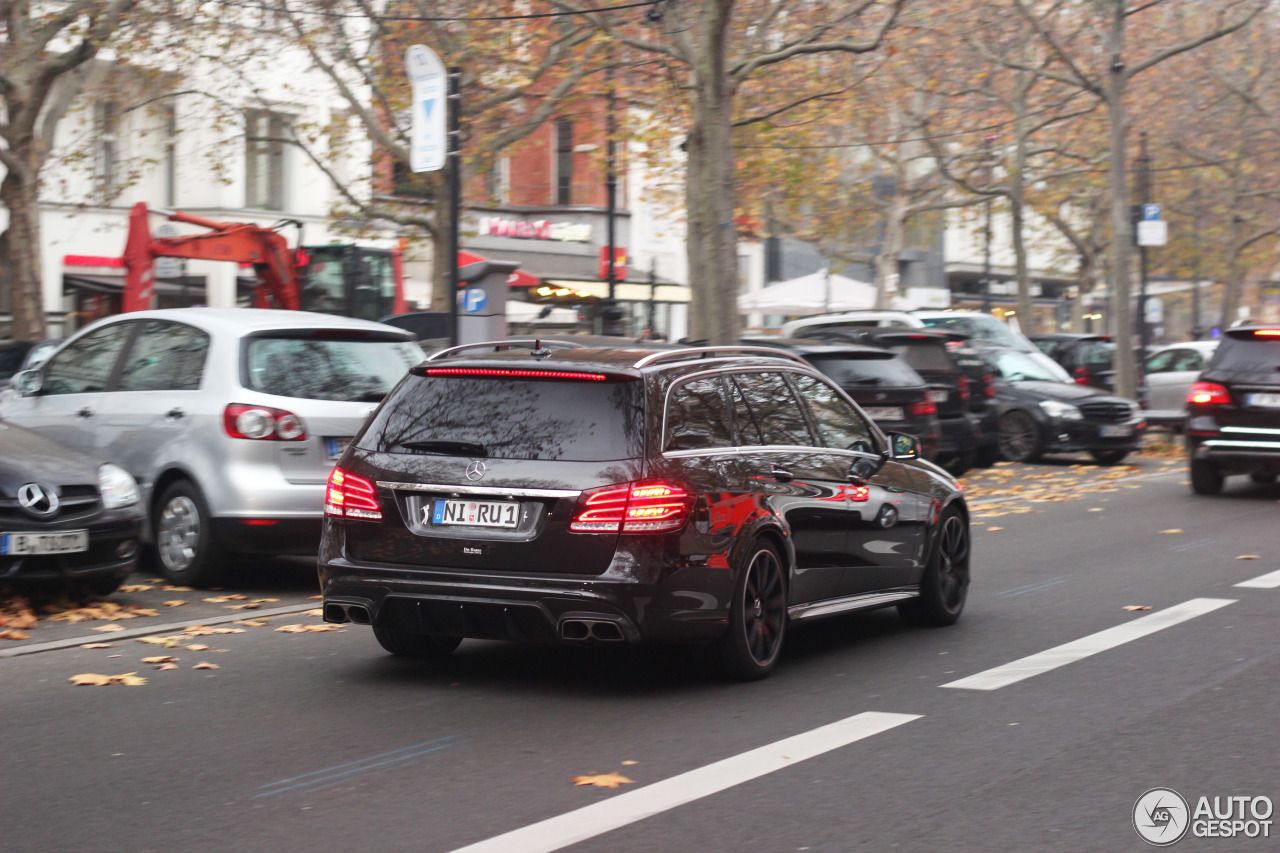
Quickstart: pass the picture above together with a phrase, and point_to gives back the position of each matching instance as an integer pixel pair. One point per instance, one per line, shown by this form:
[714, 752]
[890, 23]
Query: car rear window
[1249, 355]
[316, 368]
[869, 369]
[923, 355]
[980, 327]
[1097, 353]
[504, 418]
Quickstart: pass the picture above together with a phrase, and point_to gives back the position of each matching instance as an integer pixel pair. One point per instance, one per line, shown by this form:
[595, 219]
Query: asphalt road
[318, 741]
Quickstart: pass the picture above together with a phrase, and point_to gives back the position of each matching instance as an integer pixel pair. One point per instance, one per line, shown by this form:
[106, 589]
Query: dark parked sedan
[1039, 414]
[64, 516]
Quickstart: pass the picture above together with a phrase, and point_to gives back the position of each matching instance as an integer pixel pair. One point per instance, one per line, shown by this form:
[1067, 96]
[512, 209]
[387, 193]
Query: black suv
[1088, 358]
[1233, 412]
[622, 495]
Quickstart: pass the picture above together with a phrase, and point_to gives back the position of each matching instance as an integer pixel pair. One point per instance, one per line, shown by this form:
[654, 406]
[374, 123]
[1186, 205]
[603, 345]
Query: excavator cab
[352, 281]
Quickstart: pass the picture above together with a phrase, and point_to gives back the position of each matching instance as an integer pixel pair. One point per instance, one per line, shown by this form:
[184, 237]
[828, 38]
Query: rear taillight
[923, 407]
[648, 507]
[351, 496]
[1081, 376]
[1208, 394]
[964, 389]
[262, 423]
[988, 385]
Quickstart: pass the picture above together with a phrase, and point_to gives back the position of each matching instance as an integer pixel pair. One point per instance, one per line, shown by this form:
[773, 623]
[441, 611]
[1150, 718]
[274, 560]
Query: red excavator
[353, 281]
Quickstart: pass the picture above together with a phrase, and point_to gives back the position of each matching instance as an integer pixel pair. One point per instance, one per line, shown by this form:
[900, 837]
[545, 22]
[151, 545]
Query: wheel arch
[163, 481]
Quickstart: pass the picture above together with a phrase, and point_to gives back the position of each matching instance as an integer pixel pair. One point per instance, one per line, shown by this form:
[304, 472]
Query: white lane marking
[1270, 580]
[598, 818]
[1011, 673]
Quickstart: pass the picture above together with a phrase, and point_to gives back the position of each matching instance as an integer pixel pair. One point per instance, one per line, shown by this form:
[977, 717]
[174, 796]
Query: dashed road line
[1271, 580]
[1042, 662]
[339, 771]
[615, 812]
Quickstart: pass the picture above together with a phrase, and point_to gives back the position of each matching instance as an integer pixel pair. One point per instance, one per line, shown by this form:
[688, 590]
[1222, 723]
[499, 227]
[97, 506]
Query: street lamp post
[1142, 171]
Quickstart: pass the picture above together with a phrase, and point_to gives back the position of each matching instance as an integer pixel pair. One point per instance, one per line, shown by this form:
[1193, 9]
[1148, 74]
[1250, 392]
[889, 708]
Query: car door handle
[86, 412]
[782, 475]
[175, 414]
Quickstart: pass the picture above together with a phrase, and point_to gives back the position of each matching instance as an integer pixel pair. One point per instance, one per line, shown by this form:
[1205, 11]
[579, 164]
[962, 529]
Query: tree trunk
[1121, 227]
[890, 250]
[25, 282]
[1234, 282]
[712, 239]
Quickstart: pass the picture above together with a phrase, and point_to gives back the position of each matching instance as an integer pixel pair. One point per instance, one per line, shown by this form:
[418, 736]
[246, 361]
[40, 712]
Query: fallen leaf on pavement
[252, 623]
[316, 597]
[305, 629]
[24, 618]
[167, 642]
[93, 679]
[265, 600]
[155, 580]
[135, 587]
[205, 630]
[1248, 557]
[13, 634]
[129, 679]
[1172, 530]
[203, 665]
[316, 612]
[217, 599]
[159, 659]
[994, 529]
[111, 627]
[603, 780]
[196, 647]
[629, 763]
[1095, 509]
[249, 606]
[1136, 607]
[174, 603]
[170, 588]
[145, 611]
[166, 666]
[98, 645]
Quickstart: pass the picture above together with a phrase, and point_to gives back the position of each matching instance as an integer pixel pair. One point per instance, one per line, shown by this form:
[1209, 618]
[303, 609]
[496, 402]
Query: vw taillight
[923, 407]
[1081, 376]
[648, 507]
[351, 496]
[262, 423]
[1208, 394]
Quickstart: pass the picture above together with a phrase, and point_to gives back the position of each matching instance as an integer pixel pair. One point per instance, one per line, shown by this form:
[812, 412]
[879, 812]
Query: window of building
[265, 133]
[564, 161]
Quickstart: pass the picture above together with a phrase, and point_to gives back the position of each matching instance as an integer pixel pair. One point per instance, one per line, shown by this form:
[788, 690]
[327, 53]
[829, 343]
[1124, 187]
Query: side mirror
[865, 467]
[28, 383]
[903, 446]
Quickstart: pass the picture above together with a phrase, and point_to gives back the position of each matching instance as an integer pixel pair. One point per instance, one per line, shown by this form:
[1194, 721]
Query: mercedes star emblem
[37, 499]
[475, 470]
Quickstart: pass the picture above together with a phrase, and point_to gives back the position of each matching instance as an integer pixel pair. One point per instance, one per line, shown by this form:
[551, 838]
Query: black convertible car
[64, 516]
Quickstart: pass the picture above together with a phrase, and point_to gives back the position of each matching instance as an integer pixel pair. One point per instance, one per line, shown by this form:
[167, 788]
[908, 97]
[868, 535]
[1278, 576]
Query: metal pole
[986, 236]
[653, 295]
[1144, 337]
[1196, 331]
[454, 153]
[612, 324]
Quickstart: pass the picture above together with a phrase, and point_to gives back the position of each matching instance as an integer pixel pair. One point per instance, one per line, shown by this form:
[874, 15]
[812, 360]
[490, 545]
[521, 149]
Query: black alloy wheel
[187, 551]
[1206, 479]
[427, 647]
[945, 584]
[758, 616]
[1109, 457]
[1019, 437]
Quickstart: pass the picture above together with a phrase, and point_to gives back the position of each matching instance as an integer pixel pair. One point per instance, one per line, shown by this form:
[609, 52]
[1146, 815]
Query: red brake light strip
[515, 374]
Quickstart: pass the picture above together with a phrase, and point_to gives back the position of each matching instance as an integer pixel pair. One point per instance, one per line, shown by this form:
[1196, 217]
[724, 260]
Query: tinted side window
[165, 357]
[774, 409]
[839, 424]
[1188, 359]
[86, 364]
[748, 433]
[697, 416]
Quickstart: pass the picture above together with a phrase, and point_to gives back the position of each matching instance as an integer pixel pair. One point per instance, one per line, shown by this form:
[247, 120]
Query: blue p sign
[474, 299]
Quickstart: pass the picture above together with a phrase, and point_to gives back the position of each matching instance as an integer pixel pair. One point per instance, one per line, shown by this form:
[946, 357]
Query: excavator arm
[278, 282]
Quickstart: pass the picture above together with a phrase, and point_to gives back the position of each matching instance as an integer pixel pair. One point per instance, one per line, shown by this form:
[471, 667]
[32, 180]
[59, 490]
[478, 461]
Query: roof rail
[499, 346]
[704, 352]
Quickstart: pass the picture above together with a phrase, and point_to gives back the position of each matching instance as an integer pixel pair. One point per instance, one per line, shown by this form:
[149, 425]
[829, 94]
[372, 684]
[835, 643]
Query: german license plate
[64, 542]
[476, 513]
[884, 413]
[333, 447]
[939, 396]
[1115, 430]
[1270, 401]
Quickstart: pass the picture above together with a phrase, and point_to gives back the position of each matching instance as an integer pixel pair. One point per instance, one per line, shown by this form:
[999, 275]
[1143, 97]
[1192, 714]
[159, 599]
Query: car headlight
[1058, 409]
[117, 487]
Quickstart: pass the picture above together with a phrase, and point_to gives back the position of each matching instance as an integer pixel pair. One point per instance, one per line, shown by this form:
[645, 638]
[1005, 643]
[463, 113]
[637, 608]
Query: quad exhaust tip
[591, 629]
[342, 613]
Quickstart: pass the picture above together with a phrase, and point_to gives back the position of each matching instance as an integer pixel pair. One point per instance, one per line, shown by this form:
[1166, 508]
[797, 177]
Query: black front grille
[1106, 413]
[74, 502]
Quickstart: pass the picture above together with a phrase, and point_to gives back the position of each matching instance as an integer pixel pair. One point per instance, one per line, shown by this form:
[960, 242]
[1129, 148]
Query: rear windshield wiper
[451, 448]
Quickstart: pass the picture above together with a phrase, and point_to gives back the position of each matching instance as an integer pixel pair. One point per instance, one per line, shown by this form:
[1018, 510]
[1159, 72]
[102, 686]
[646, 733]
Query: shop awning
[518, 278]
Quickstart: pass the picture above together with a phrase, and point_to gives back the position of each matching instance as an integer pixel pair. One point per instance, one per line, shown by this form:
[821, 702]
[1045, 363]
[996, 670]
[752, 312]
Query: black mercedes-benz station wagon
[622, 495]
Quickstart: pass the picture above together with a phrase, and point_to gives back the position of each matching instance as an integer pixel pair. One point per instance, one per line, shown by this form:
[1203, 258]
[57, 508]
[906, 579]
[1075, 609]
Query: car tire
[945, 584]
[1109, 457]
[187, 551]
[1019, 437]
[1206, 479]
[1263, 479]
[427, 647]
[986, 456]
[959, 465]
[750, 648]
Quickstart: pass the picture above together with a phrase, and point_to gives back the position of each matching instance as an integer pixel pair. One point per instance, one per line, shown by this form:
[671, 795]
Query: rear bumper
[1246, 453]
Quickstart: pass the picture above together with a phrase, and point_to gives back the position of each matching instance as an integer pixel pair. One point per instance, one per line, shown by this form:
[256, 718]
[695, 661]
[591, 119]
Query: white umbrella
[810, 294]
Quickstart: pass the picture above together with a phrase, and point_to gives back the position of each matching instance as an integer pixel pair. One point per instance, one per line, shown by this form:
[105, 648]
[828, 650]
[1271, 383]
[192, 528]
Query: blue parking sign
[1151, 213]
[474, 299]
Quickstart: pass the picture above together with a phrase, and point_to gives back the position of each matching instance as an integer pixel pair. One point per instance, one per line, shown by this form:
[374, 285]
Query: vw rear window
[924, 355]
[1250, 355]
[578, 420]
[848, 371]
[314, 368]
